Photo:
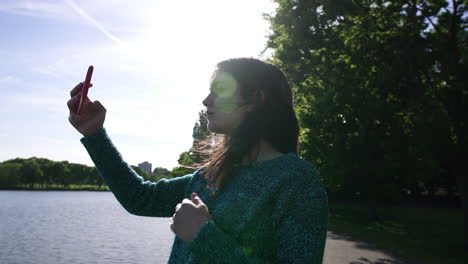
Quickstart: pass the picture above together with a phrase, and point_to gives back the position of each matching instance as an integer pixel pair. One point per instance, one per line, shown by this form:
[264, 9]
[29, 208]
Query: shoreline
[95, 188]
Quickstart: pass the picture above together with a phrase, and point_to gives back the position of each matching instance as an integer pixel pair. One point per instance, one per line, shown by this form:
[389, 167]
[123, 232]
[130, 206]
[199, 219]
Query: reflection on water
[78, 227]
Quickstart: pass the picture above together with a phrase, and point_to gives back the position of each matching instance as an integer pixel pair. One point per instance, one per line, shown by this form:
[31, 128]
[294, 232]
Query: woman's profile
[254, 200]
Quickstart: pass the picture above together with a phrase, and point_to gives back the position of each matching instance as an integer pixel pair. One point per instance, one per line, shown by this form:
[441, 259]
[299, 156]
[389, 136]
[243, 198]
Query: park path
[341, 249]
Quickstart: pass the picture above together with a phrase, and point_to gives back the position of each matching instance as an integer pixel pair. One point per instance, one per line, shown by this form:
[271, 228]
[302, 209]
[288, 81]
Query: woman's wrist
[93, 132]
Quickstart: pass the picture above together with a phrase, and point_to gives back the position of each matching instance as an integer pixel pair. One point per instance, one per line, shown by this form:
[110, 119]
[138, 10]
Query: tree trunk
[460, 170]
[461, 180]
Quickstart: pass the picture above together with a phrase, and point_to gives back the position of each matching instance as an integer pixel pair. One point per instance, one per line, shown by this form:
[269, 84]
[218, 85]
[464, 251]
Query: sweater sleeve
[136, 195]
[301, 215]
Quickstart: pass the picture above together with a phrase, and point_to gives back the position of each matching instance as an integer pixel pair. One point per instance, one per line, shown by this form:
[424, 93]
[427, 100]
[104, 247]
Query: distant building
[146, 166]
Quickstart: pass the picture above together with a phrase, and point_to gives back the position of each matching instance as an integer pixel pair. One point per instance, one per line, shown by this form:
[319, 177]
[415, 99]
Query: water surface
[78, 227]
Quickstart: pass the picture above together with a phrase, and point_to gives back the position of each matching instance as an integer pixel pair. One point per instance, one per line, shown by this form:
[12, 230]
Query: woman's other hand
[92, 115]
[189, 217]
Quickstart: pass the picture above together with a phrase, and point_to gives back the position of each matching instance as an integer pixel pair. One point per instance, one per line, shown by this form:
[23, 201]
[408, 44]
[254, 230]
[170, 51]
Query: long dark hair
[272, 119]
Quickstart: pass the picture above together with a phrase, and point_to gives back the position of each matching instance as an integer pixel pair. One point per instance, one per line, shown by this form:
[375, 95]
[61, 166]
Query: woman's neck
[263, 151]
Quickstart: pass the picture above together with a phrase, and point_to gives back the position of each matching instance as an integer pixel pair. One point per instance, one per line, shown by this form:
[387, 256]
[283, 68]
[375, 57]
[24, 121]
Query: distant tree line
[41, 173]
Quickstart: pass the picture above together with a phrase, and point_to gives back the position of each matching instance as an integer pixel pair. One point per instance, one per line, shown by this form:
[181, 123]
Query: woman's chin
[213, 128]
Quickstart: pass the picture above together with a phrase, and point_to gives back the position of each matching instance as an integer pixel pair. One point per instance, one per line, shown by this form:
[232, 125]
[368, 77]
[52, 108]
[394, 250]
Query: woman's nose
[208, 100]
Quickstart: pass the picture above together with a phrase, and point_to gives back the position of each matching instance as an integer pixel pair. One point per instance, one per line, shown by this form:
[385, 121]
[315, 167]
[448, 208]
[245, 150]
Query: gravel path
[343, 249]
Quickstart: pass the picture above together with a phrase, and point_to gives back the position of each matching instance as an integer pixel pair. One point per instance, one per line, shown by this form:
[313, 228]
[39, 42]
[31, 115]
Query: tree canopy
[380, 90]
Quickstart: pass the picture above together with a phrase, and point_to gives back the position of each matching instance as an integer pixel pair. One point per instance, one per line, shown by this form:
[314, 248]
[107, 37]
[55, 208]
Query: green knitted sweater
[273, 211]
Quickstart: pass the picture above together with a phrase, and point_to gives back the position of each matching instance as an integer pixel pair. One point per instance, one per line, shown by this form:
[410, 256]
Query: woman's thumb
[195, 199]
[98, 106]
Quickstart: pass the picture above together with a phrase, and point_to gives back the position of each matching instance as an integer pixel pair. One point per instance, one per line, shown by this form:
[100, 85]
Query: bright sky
[152, 64]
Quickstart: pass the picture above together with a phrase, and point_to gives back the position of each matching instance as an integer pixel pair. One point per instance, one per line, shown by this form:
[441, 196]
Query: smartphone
[84, 89]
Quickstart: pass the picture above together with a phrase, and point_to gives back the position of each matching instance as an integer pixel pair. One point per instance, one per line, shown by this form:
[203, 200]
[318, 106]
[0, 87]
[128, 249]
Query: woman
[254, 201]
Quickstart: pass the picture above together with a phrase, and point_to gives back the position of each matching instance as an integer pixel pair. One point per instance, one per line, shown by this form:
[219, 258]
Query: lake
[78, 227]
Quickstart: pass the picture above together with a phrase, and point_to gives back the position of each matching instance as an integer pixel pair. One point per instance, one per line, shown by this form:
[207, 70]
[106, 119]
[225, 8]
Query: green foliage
[43, 174]
[30, 172]
[379, 91]
[186, 159]
[200, 129]
[9, 175]
[160, 172]
[61, 173]
[197, 153]
[140, 171]
[180, 171]
[39, 173]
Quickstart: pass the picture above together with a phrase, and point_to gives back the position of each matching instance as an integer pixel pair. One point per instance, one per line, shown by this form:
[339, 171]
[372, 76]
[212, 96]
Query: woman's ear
[260, 97]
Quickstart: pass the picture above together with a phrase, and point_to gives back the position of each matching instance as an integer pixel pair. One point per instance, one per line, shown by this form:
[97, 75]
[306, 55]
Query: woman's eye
[223, 91]
[219, 91]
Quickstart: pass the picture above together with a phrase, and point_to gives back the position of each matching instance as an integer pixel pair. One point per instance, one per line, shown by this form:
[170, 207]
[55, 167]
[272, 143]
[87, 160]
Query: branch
[433, 25]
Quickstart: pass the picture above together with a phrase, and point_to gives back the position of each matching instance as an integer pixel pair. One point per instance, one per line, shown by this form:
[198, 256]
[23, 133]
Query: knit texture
[274, 211]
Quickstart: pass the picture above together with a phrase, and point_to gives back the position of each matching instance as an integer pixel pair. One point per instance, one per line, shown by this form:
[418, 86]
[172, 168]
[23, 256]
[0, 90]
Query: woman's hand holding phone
[92, 115]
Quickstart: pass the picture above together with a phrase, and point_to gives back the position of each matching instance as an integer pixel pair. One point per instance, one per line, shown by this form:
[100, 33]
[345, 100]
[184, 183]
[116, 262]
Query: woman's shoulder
[301, 164]
[285, 169]
[294, 165]
[298, 172]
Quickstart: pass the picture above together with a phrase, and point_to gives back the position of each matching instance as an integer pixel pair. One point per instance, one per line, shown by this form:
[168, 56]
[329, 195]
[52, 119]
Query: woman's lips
[210, 115]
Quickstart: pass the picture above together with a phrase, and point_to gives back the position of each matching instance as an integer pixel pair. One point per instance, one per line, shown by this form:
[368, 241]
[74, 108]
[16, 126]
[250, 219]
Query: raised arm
[137, 196]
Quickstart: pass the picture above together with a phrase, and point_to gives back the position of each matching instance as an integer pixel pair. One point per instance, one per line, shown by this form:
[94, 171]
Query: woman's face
[225, 107]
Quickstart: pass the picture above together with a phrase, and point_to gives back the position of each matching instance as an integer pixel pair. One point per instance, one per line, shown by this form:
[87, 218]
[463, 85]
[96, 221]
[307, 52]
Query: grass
[430, 235]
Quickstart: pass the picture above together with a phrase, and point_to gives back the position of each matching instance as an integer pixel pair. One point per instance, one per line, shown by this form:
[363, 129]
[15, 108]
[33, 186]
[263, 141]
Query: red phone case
[84, 90]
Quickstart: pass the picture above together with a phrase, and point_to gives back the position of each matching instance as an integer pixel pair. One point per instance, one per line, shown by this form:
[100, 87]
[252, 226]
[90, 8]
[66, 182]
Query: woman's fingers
[75, 98]
[98, 106]
[77, 89]
[72, 103]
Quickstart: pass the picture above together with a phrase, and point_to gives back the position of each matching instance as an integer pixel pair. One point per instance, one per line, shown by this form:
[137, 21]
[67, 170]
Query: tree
[9, 175]
[47, 168]
[94, 177]
[200, 129]
[180, 171]
[140, 172]
[78, 173]
[60, 173]
[197, 154]
[186, 158]
[160, 172]
[375, 82]
[449, 37]
[40, 171]
[30, 172]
